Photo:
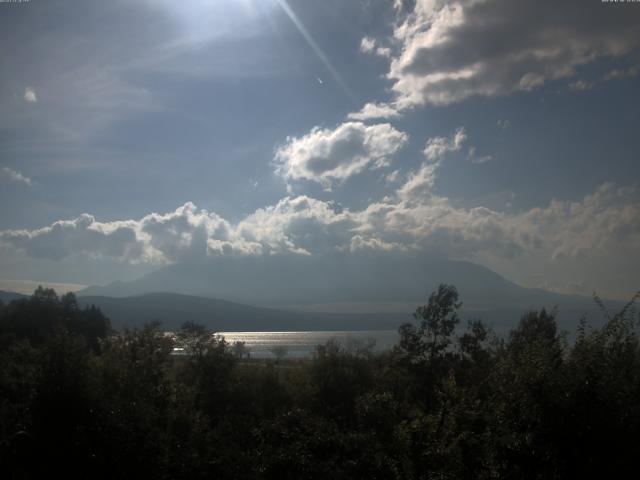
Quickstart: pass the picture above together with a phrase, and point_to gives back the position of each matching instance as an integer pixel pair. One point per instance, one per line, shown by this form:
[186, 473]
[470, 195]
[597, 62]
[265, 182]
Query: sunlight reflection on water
[303, 344]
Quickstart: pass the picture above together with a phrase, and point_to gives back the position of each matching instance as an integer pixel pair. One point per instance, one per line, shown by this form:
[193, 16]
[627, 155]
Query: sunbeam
[316, 49]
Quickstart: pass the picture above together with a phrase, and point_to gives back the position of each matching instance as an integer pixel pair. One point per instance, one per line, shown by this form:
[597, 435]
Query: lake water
[303, 344]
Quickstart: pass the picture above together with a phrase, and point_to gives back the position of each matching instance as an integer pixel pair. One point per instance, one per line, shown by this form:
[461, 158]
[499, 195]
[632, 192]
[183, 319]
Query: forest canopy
[79, 398]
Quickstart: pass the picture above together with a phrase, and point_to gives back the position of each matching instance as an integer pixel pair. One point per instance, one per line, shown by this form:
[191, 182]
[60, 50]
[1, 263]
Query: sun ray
[316, 48]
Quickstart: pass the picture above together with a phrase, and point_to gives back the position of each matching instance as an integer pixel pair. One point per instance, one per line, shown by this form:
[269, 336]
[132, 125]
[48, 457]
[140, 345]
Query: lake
[303, 344]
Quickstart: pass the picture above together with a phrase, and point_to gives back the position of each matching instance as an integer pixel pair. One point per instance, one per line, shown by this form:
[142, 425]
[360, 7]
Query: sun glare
[203, 20]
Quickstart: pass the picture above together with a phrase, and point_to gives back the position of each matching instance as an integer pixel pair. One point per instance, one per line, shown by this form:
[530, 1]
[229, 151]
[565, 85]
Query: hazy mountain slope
[278, 281]
[174, 309]
[7, 297]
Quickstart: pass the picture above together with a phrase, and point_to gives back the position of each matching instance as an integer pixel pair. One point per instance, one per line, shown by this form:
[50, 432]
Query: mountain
[173, 309]
[307, 281]
[272, 293]
[295, 289]
[7, 297]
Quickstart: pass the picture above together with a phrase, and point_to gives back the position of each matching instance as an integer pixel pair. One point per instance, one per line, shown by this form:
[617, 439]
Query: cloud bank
[412, 219]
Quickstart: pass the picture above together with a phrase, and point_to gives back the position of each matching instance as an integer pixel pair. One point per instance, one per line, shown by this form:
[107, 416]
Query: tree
[44, 296]
[438, 319]
[279, 352]
[207, 366]
[240, 350]
[44, 314]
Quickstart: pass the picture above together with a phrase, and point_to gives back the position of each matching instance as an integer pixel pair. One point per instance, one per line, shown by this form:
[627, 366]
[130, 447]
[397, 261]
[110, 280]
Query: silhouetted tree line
[82, 401]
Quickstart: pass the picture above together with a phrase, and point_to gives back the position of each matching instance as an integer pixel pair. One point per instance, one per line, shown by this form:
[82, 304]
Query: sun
[200, 21]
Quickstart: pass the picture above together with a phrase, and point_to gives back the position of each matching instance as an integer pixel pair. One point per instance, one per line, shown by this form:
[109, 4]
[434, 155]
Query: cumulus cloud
[417, 218]
[82, 235]
[155, 238]
[451, 50]
[299, 225]
[327, 156]
[608, 217]
[375, 110]
[392, 177]
[437, 147]
[503, 124]
[414, 218]
[617, 74]
[369, 45]
[30, 95]
[475, 158]
[605, 221]
[580, 85]
[15, 176]
[420, 183]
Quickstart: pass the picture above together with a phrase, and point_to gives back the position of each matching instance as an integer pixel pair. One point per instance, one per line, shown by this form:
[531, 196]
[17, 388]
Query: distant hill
[284, 281]
[275, 285]
[7, 297]
[174, 309]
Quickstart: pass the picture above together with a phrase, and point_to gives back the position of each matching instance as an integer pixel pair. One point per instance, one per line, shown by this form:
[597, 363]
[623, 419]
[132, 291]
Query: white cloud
[419, 183]
[154, 239]
[328, 156]
[375, 110]
[413, 218]
[451, 50]
[601, 229]
[392, 177]
[608, 217]
[28, 286]
[437, 147]
[82, 235]
[383, 51]
[603, 222]
[30, 95]
[616, 74]
[15, 176]
[369, 45]
[474, 158]
[580, 85]
[299, 225]
[623, 73]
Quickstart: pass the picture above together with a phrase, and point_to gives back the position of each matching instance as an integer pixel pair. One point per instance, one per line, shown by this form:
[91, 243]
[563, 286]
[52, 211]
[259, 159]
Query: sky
[139, 134]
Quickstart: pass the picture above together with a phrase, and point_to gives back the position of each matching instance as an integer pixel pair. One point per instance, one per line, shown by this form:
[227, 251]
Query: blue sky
[501, 134]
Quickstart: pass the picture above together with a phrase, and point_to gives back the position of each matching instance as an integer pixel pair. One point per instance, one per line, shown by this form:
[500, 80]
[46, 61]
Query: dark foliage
[37, 318]
[82, 401]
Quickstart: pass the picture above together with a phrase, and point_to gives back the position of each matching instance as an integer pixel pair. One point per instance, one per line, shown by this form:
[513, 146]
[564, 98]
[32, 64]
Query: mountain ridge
[308, 281]
[173, 309]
